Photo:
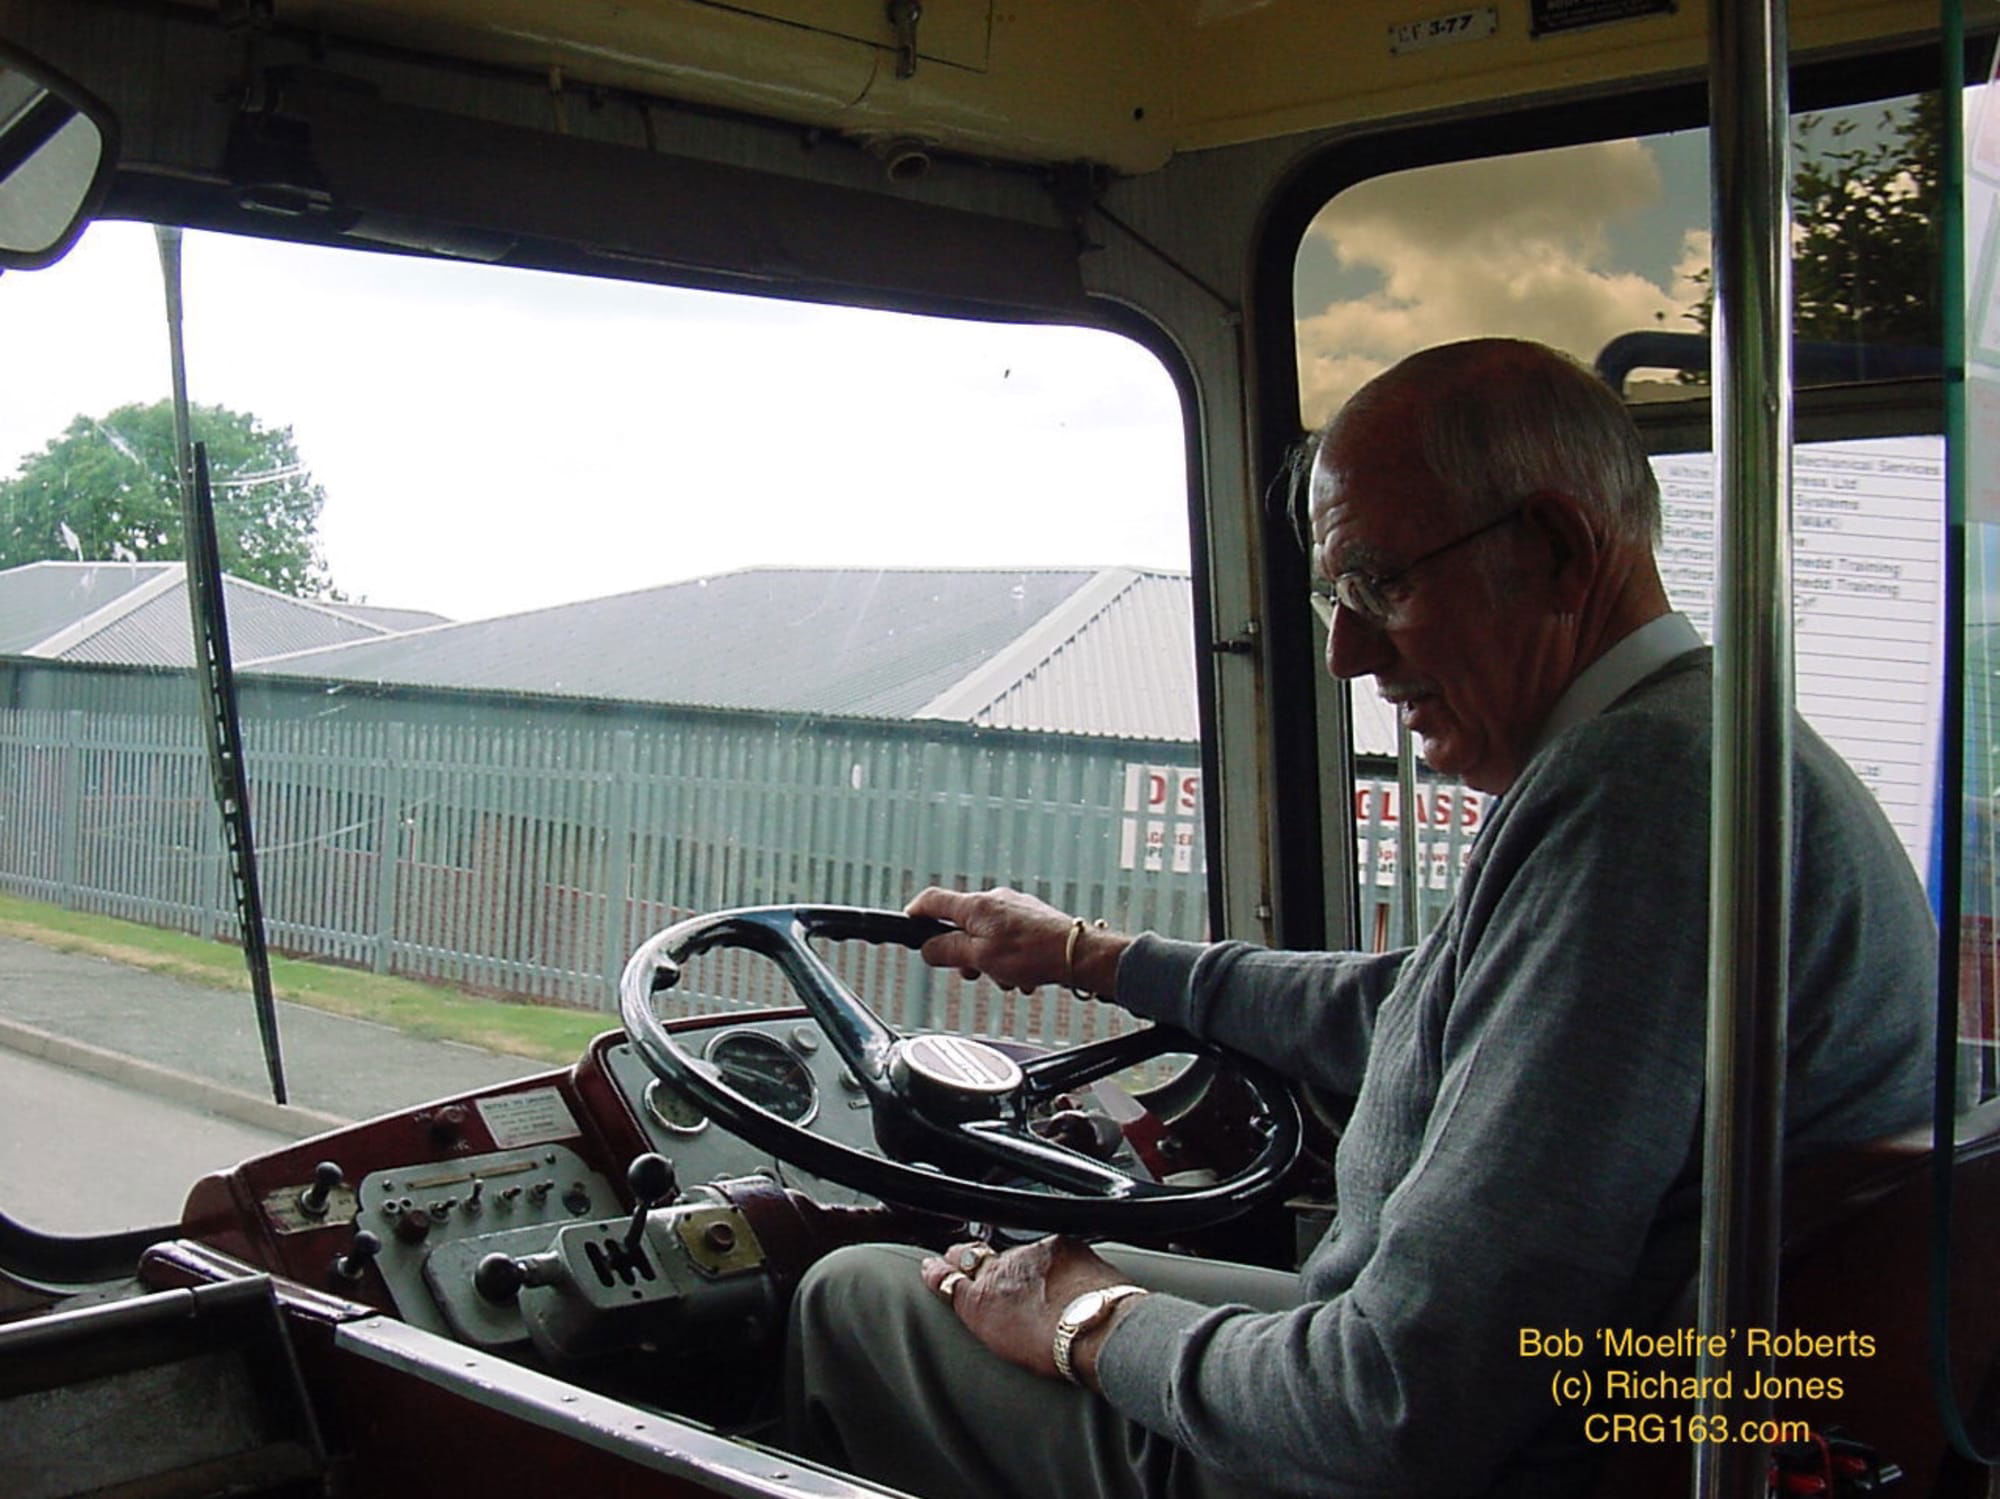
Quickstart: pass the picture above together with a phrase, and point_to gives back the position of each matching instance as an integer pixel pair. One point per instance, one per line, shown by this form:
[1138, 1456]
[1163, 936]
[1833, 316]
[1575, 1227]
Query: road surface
[82, 1155]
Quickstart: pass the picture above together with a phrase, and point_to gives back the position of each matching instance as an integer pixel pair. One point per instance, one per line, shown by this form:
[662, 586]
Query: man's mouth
[1410, 703]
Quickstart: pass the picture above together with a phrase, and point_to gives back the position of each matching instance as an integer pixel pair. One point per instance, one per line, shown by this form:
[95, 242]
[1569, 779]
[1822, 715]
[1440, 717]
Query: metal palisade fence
[529, 861]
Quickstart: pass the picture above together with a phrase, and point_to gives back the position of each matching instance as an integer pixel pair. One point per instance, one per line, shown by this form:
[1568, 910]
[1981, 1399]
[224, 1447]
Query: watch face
[1085, 1308]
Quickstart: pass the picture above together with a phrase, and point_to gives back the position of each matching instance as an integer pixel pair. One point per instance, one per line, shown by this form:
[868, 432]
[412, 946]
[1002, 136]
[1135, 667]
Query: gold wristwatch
[1080, 1316]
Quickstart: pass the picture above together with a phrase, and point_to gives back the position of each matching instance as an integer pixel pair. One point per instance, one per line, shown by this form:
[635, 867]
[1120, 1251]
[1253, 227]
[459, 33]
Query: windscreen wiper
[217, 676]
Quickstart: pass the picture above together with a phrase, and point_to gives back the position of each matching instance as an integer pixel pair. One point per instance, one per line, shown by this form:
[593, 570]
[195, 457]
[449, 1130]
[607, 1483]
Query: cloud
[1510, 245]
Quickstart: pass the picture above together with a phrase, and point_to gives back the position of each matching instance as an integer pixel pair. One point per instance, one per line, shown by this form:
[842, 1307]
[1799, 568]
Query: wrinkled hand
[1011, 1301]
[1016, 941]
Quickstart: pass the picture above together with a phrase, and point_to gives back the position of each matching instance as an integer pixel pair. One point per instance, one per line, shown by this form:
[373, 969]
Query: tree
[106, 491]
[1865, 204]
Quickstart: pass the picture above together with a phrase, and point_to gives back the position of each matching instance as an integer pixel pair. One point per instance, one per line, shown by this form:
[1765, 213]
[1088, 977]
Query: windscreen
[562, 610]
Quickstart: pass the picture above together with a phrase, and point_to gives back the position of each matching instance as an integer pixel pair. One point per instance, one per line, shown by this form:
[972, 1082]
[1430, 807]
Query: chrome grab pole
[1409, 879]
[1750, 826]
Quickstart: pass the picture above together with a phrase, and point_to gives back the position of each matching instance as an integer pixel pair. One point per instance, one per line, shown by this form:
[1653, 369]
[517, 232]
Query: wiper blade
[217, 675]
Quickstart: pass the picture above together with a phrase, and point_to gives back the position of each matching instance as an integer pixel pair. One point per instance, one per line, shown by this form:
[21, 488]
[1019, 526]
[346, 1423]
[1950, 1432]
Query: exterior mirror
[57, 148]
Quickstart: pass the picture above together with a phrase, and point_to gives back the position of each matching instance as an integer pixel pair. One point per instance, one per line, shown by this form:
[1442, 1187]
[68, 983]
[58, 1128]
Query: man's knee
[843, 1313]
[853, 1285]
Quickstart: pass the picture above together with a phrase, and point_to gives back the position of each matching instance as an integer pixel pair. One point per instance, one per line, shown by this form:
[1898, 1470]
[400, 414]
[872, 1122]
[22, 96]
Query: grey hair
[1499, 418]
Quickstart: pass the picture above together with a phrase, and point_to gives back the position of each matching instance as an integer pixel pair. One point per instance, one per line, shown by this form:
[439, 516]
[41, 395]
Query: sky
[1571, 246]
[492, 439]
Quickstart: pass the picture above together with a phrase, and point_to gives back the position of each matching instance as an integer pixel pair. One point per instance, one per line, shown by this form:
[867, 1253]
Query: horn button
[953, 1077]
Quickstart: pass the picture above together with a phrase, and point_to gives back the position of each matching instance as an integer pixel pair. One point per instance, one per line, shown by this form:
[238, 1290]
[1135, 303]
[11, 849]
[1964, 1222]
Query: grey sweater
[1524, 1150]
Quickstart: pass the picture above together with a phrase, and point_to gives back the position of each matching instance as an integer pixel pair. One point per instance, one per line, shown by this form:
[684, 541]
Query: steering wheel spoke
[950, 1112]
[1066, 1071]
[1045, 1161]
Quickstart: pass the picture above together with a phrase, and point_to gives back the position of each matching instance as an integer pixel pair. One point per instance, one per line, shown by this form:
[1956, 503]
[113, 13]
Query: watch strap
[1086, 1312]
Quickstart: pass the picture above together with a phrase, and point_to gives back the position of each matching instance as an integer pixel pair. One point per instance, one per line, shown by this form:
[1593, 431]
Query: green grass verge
[528, 1030]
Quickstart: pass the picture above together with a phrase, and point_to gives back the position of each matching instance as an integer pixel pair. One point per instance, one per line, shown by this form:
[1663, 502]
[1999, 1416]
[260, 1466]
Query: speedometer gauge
[766, 1072]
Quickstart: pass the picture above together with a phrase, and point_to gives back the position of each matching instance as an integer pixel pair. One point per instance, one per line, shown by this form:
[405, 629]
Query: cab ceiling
[1124, 83]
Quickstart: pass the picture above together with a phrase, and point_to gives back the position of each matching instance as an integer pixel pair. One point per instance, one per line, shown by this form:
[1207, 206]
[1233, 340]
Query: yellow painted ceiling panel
[1123, 82]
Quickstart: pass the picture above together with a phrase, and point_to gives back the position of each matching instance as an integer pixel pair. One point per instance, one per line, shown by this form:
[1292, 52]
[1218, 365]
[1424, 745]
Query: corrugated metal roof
[136, 614]
[392, 620]
[1118, 661]
[39, 599]
[868, 643]
[1107, 652]
[1074, 651]
[261, 623]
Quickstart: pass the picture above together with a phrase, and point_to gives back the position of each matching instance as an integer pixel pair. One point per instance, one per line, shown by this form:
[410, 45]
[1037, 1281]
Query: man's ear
[1571, 546]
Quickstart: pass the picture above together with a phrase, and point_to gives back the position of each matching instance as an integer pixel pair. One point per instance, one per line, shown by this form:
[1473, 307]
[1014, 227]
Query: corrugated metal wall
[529, 862]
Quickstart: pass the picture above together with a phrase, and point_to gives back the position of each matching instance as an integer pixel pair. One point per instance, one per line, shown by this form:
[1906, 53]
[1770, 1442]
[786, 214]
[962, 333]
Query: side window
[1602, 249]
[565, 609]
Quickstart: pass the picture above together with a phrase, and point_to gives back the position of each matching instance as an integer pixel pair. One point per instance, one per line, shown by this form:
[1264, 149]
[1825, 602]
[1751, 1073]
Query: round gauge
[675, 1111]
[765, 1071]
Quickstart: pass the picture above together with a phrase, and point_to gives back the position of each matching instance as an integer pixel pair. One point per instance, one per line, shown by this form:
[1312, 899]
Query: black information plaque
[1548, 17]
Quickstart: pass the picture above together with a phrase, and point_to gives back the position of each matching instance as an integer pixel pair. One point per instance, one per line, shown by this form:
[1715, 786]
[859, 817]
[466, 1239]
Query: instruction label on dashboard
[531, 1118]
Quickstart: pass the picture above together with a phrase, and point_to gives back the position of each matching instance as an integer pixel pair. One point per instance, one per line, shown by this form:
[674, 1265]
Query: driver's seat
[1856, 1258]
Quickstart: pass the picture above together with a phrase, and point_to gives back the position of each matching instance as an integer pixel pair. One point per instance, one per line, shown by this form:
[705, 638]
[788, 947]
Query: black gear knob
[653, 1183]
[652, 1180]
[498, 1278]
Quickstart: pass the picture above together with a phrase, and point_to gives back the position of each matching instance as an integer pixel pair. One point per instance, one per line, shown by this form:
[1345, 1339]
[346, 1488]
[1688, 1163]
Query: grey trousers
[884, 1381]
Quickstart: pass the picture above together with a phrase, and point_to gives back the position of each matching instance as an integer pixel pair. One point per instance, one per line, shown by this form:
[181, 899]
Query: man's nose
[1355, 648]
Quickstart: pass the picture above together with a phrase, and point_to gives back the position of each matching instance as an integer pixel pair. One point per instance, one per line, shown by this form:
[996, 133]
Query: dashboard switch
[361, 1253]
[413, 1224]
[326, 1176]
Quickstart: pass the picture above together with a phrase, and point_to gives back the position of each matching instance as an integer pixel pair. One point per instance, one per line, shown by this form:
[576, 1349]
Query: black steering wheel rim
[1079, 1195]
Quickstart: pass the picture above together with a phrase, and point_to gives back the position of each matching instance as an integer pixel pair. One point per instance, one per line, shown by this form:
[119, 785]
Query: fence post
[69, 808]
[933, 856]
[388, 845]
[212, 904]
[619, 797]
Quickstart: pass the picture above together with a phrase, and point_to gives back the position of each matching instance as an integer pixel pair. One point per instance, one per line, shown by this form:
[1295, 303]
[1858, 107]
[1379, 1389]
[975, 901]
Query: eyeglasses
[1371, 596]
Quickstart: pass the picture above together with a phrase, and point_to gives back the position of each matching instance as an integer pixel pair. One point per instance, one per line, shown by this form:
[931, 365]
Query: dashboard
[594, 1216]
[573, 1217]
[786, 1066]
[563, 1214]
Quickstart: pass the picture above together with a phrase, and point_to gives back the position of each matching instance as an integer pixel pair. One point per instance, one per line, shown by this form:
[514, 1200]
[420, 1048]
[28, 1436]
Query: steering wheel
[950, 1113]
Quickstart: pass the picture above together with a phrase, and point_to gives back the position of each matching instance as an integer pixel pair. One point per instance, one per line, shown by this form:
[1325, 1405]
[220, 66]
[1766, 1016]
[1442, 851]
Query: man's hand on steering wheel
[1019, 942]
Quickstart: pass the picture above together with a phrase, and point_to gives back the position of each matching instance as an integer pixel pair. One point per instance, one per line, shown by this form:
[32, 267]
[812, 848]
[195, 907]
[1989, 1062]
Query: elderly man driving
[1524, 1149]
